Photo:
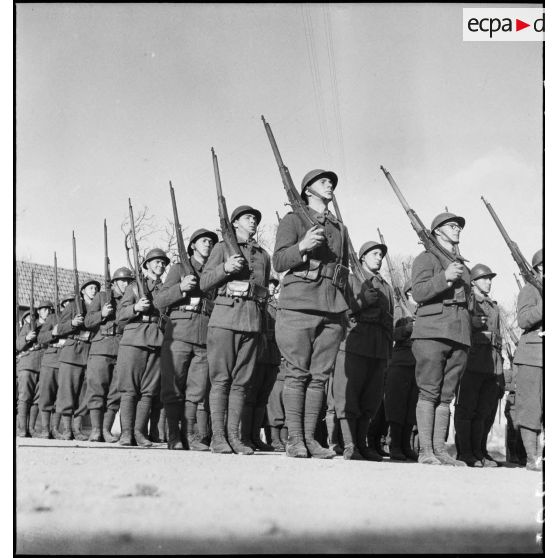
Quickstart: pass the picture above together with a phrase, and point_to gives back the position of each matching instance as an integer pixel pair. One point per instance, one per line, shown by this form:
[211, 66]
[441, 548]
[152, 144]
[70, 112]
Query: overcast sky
[115, 100]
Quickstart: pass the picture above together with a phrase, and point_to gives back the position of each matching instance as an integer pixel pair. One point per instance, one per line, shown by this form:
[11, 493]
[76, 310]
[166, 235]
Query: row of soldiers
[214, 339]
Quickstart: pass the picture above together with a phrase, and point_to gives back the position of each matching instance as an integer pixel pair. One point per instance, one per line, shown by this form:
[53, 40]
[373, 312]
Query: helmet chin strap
[319, 196]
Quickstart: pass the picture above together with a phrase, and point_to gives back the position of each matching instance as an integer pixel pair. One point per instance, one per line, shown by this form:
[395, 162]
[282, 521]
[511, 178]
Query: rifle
[399, 296]
[56, 294]
[278, 217]
[108, 285]
[229, 236]
[295, 201]
[524, 268]
[405, 272]
[353, 259]
[32, 323]
[519, 285]
[185, 263]
[426, 238]
[135, 249]
[77, 295]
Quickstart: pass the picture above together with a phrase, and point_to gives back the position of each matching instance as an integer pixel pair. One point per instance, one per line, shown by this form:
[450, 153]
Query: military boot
[45, 426]
[54, 424]
[236, 404]
[195, 442]
[174, 412]
[312, 408]
[76, 429]
[529, 438]
[464, 435]
[477, 434]
[246, 420]
[348, 430]
[368, 453]
[406, 443]
[276, 441]
[375, 434]
[66, 433]
[96, 425]
[33, 414]
[441, 425]
[488, 460]
[396, 442]
[202, 424]
[22, 420]
[217, 404]
[332, 425]
[293, 399]
[143, 411]
[284, 434]
[425, 424]
[154, 434]
[108, 421]
[257, 423]
[127, 418]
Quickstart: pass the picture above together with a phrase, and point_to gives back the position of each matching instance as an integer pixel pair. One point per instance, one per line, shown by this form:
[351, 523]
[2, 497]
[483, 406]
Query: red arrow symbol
[519, 25]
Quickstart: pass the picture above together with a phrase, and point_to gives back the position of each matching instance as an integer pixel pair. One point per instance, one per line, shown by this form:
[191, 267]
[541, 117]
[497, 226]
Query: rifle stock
[227, 231]
[56, 292]
[182, 252]
[108, 285]
[77, 295]
[135, 250]
[524, 268]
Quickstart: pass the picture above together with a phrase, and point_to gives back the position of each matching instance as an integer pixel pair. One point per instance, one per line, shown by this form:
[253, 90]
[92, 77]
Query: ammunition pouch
[309, 270]
[246, 290]
[340, 276]
[194, 305]
[108, 330]
[314, 269]
[84, 335]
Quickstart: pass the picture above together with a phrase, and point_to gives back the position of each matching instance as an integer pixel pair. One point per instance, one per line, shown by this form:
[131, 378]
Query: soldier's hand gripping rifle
[185, 263]
[56, 292]
[108, 284]
[400, 297]
[524, 268]
[135, 250]
[295, 201]
[77, 295]
[427, 239]
[32, 321]
[227, 230]
[353, 259]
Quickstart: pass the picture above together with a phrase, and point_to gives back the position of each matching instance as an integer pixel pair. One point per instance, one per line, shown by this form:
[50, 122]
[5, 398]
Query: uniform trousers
[440, 365]
[232, 360]
[401, 395]
[139, 371]
[102, 383]
[71, 380]
[358, 385]
[48, 388]
[262, 384]
[309, 342]
[275, 406]
[529, 396]
[184, 372]
[476, 396]
[27, 384]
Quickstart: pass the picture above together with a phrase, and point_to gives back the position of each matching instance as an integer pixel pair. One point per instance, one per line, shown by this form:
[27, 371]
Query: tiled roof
[44, 282]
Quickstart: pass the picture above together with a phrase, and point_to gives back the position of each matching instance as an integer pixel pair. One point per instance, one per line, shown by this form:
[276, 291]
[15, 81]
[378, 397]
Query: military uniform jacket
[31, 352]
[442, 311]
[402, 354]
[530, 320]
[269, 351]
[237, 313]
[486, 347]
[304, 293]
[370, 331]
[189, 312]
[106, 332]
[77, 339]
[140, 330]
[51, 355]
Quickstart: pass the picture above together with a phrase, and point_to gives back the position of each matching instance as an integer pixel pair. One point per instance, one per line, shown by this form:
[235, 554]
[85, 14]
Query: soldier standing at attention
[184, 368]
[401, 392]
[529, 360]
[483, 380]
[50, 363]
[103, 395]
[441, 337]
[138, 368]
[358, 380]
[235, 326]
[73, 362]
[311, 310]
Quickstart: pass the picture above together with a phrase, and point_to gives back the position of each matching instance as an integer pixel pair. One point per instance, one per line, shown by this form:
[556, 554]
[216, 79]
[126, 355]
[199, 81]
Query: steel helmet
[242, 209]
[123, 273]
[370, 245]
[155, 253]
[481, 270]
[201, 233]
[45, 304]
[444, 218]
[90, 282]
[537, 258]
[67, 296]
[314, 175]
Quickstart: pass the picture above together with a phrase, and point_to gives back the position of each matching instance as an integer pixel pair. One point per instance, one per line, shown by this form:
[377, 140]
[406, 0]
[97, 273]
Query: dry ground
[79, 497]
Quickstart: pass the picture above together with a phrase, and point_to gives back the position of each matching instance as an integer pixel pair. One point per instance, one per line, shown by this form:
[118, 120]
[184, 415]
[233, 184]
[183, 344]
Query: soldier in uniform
[73, 362]
[401, 392]
[138, 368]
[267, 368]
[48, 389]
[311, 310]
[184, 368]
[441, 337]
[102, 385]
[529, 360]
[234, 327]
[483, 380]
[358, 380]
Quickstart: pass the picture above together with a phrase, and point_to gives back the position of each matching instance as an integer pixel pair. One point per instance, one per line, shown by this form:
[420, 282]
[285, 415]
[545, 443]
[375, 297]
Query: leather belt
[149, 319]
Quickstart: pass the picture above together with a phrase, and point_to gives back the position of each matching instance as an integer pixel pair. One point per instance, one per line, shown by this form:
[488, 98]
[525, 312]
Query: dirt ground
[85, 498]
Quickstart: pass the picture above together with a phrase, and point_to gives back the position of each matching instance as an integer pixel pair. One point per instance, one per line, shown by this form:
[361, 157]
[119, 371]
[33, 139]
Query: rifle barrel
[135, 249]
[56, 292]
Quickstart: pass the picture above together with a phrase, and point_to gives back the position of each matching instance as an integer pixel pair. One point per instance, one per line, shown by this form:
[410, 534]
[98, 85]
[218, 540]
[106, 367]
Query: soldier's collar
[327, 215]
